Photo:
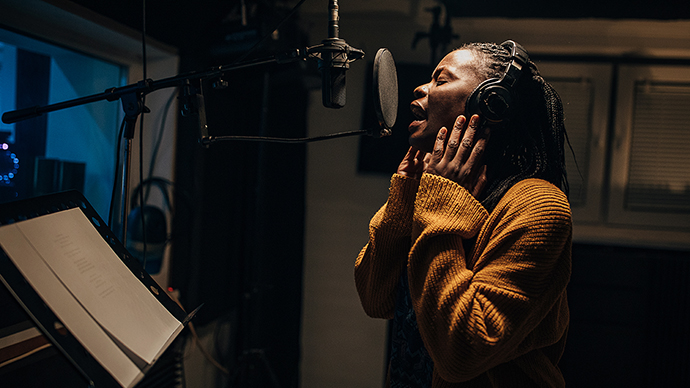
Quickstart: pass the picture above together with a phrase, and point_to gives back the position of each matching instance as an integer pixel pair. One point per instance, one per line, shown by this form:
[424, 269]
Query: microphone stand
[331, 53]
[131, 97]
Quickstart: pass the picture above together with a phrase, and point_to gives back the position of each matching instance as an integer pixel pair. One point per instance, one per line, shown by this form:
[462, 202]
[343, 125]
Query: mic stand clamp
[334, 52]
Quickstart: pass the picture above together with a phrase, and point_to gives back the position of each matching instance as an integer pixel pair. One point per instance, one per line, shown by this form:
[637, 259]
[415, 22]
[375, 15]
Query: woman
[470, 255]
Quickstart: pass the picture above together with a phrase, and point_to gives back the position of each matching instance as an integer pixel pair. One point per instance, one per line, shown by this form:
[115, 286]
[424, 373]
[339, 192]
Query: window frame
[600, 75]
[70, 25]
[621, 150]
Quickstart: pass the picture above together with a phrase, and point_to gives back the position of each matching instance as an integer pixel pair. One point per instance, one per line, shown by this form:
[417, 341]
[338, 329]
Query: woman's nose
[421, 91]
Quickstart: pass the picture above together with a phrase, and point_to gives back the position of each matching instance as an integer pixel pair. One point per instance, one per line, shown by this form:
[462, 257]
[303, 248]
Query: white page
[68, 311]
[97, 278]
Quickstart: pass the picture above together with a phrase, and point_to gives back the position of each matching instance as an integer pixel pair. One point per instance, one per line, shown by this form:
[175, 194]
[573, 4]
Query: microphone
[334, 56]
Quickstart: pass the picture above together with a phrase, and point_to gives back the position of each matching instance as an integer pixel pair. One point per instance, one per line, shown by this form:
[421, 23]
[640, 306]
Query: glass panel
[8, 73]
[72, 148]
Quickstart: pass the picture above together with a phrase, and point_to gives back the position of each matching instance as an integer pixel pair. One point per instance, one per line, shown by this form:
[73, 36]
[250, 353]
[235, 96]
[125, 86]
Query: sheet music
[91, 290]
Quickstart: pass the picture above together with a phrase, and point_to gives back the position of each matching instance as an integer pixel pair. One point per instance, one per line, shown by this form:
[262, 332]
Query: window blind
[659, 174]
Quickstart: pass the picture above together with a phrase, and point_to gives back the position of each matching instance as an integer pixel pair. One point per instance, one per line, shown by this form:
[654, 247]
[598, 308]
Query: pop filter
[385, 92]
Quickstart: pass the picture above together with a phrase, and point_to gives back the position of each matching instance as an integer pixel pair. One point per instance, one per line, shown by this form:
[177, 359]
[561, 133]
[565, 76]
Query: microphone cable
[141, 134]
[213, 139]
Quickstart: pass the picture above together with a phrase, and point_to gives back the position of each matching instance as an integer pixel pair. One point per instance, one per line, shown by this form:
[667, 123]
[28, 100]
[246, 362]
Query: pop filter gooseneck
[385, 92]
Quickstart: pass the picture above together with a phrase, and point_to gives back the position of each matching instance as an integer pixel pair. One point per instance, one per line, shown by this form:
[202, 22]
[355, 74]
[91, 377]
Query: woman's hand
[413, 163]
[460, 158]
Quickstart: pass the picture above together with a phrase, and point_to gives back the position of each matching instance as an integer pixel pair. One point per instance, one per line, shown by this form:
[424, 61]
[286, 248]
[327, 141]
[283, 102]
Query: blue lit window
[70, 148]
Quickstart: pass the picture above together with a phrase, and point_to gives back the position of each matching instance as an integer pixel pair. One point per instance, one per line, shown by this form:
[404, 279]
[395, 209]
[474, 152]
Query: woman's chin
[418, 138]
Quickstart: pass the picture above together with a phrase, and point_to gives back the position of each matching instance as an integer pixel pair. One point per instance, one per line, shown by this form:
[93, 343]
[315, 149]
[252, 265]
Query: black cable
[141, 135]
[117, 172]
[143, 37]
[287, 140]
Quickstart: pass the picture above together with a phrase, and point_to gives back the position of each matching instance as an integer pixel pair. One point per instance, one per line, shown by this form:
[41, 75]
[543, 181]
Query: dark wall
[239, 247]
[616, 9]
[197, 26]
[630, 313]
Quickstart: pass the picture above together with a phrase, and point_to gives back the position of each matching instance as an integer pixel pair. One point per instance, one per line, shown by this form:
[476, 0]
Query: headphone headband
[518, 59]
[494, 99]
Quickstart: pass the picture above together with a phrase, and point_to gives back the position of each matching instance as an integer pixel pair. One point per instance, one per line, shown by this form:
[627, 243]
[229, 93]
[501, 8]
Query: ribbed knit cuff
[403, 189]
[401, 198]
[447, 207]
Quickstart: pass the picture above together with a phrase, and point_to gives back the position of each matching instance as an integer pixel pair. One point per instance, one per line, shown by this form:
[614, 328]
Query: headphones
[155, 220]
[494, 99]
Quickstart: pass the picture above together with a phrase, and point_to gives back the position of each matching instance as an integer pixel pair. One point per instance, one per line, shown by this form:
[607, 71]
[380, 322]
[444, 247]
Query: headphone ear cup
[497, 103]
[474, 101]
[156, 234]
[491, 100]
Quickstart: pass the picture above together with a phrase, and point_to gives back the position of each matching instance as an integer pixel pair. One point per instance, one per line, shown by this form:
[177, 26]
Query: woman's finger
[454, 140]
[468, 139]
[439, 146]
[411, 165]
[475, 163]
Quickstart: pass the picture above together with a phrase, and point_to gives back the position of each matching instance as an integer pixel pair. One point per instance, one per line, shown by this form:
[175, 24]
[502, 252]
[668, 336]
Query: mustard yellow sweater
[493, 317]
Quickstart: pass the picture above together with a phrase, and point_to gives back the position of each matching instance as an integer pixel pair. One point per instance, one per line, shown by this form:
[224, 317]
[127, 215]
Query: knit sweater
[495, 316]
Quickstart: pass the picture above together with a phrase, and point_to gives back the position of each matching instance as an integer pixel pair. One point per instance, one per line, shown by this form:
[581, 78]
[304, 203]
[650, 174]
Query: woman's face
[439, 102]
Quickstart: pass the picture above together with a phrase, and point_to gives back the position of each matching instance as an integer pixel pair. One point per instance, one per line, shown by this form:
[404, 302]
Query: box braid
[529, 145]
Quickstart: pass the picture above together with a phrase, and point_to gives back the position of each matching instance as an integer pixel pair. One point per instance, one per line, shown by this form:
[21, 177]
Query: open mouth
[418, 112]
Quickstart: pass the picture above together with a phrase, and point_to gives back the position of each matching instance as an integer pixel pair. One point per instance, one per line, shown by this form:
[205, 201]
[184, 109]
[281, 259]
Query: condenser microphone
[334, 56]
[333, 91]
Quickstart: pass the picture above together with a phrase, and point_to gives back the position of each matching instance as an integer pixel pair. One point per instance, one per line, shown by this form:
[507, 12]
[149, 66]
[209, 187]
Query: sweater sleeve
[476, 312]
[382, 260]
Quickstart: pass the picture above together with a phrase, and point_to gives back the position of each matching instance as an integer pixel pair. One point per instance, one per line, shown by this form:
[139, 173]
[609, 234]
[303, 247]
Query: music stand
[85, 292]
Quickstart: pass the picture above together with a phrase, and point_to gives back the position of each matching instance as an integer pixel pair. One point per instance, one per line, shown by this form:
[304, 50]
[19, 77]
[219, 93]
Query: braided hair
[531, 144]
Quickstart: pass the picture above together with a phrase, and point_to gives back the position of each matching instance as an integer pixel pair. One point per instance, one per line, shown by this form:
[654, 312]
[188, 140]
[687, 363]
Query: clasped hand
[458, 159]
